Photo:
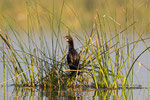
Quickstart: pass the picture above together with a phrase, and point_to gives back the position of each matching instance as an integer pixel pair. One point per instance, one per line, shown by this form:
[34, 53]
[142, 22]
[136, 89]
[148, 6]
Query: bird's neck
[71, 45]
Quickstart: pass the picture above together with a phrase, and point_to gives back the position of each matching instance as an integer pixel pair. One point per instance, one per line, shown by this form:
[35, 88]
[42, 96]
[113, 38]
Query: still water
[12, 93]
[141, 77]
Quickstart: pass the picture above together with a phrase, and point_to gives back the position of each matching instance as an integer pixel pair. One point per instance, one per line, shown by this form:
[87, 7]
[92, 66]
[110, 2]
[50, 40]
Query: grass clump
[40, 61]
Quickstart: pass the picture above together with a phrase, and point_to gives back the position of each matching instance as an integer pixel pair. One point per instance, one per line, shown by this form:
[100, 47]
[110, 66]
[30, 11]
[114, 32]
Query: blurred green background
[76, 14]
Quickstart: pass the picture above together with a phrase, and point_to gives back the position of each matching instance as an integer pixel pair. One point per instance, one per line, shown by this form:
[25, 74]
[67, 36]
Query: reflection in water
[27, 93]
[70, 94]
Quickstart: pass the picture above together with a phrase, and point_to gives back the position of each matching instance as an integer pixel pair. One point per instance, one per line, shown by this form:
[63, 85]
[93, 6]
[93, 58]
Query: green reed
[38, 60]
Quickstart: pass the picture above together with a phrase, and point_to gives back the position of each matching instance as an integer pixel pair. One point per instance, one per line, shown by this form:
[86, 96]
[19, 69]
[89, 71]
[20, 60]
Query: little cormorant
[73, 57]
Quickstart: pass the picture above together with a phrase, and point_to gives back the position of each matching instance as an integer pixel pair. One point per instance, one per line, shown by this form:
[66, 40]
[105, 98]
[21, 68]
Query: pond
[28, 93]
[111, 34]
[141, 90]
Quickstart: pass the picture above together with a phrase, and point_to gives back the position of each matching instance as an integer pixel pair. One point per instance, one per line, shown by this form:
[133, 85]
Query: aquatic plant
[33, 58]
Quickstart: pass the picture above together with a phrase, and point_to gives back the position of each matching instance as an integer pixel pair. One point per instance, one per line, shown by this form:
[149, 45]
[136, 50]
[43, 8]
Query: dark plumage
[73, 57]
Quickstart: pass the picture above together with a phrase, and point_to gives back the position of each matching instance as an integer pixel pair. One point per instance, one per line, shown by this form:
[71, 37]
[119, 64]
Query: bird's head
[68, 38]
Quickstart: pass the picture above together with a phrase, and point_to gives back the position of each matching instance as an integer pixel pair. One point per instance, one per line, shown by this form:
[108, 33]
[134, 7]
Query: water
[141, 77]
[77, 15]
[87, 94]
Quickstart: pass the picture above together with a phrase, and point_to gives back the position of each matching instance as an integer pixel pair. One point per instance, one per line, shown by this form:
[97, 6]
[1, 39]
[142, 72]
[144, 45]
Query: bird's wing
[69, 59]
[76, 58]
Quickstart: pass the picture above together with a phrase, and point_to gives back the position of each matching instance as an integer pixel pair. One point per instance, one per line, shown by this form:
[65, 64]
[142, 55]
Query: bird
[73, 57]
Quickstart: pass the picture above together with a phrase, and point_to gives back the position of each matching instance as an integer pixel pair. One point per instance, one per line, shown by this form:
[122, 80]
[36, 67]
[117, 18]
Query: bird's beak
[66, 39]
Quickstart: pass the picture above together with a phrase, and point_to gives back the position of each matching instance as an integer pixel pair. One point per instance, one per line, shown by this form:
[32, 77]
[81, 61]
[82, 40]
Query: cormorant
[73, 57]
